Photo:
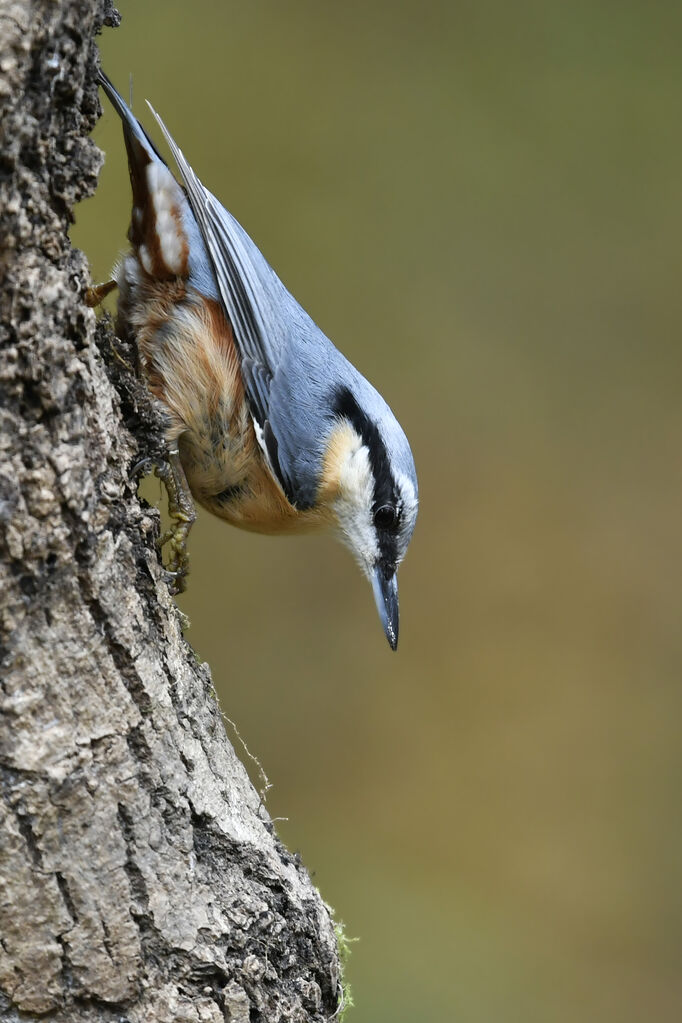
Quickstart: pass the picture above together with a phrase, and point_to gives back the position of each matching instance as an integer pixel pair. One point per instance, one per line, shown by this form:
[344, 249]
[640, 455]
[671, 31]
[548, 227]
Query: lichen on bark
[140, 876]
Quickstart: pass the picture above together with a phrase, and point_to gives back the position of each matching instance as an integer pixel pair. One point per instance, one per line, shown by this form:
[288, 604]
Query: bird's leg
[95, 295]
[182, 514]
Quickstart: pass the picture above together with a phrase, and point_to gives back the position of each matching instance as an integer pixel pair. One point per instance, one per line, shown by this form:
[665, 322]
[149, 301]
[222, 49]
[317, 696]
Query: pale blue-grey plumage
[298, 385]
[290, 368]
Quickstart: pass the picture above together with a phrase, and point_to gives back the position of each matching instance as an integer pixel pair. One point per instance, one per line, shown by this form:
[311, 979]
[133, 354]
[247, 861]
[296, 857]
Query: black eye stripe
[386, 493]
[385, 490]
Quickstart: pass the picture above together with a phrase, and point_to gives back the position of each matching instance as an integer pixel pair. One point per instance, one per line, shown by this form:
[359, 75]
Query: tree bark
[140, 876]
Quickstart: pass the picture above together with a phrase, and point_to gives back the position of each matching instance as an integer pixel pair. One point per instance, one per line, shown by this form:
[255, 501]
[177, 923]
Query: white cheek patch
[353, 505]
[166, 198]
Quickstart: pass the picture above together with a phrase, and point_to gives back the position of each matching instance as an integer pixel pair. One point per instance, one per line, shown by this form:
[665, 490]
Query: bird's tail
[141, 150]
[157, 231]
[132, 129]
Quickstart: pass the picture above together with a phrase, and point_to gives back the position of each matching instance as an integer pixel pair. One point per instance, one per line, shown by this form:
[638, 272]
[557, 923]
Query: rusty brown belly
[232, 480]
[190, 359]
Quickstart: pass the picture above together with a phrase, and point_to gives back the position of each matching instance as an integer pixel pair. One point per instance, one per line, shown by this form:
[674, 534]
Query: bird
[268, 425]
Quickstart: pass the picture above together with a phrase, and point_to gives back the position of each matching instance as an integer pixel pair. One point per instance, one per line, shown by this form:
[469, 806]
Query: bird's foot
[181, 512]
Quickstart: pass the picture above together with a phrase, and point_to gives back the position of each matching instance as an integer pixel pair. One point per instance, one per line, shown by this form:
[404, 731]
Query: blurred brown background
[481, 204]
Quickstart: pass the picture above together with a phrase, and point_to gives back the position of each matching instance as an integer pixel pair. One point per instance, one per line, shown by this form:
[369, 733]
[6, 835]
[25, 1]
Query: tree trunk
[140, 876]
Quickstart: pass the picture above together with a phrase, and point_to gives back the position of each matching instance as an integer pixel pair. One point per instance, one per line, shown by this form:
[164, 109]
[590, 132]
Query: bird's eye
[385, 517]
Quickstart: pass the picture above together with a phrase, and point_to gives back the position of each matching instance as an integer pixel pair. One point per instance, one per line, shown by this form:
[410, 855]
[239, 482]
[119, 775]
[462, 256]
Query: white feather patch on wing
[264, 449]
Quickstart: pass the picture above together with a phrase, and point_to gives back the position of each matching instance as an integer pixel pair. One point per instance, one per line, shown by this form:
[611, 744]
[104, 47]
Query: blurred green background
[481, 204]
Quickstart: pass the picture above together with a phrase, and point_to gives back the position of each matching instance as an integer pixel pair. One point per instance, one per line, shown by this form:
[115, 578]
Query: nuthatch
[269, 426]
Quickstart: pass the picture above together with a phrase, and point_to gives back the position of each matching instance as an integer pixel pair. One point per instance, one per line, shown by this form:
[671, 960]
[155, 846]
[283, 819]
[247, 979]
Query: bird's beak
[386, 596]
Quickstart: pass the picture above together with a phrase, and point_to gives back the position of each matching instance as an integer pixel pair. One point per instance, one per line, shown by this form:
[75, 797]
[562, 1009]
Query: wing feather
[271, 334]
[245, 282]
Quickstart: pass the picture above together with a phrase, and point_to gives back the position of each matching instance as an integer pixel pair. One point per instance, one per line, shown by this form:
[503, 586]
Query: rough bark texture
[140, 878]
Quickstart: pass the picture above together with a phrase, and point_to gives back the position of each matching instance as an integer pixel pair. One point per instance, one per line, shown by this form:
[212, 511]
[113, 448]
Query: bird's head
[371, 490]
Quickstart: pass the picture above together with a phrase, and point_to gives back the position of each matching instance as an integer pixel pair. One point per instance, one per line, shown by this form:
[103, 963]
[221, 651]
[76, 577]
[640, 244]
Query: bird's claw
[178, 563]
[141, 468]
[182, 515]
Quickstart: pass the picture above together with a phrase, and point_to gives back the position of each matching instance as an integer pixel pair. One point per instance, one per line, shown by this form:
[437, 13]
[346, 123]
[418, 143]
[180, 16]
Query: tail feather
[156, 229]
[140, 148]
[132, 129]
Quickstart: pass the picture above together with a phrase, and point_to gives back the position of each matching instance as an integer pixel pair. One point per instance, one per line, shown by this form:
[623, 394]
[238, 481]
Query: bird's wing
[250, 291]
